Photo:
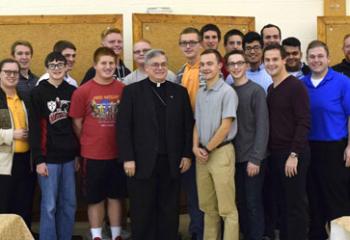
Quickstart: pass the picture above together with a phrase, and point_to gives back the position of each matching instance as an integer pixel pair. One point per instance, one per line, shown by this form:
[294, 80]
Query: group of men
[257, 139]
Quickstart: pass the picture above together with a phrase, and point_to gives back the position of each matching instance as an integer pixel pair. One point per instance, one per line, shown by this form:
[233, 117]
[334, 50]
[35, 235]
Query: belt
[218, 146]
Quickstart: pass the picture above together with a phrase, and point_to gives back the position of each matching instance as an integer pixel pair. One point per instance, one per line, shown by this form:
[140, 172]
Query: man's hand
[291, 167]
[20, 134]
[185, 164]
[201, 155]
[252, 169]
[42, 170]
[347, 156]
[129, 168]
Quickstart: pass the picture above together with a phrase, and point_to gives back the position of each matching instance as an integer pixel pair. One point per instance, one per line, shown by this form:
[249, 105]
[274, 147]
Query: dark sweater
[343, 67]
[253, 123]
[289, 114]
[51, 133]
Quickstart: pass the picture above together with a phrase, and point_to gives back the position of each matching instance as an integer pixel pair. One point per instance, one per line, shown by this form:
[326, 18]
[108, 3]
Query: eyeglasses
[236, 64]
[138, 52]
[255, 48]
[159, 65]
[53, 66]
[10, 72]
[189, 43]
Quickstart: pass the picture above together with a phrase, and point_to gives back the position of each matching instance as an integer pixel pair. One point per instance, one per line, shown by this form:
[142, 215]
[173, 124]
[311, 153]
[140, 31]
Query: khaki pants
[216, 194]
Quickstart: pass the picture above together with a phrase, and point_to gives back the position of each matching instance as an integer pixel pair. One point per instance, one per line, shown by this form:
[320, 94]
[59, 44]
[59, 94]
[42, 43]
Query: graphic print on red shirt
[97, 104]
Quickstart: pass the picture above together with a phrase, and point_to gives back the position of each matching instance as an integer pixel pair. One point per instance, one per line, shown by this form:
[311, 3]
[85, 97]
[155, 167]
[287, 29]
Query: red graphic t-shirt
[97, 104]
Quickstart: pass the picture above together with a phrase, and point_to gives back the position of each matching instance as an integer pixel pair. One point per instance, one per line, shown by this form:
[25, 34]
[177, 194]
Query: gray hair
[154, 53]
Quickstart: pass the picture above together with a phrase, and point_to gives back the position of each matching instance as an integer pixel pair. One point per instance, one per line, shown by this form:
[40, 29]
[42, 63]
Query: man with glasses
[251, 146]
[344, 66]
[68, 50]
[256, 72]
[54, 148]
[112, 38]
[140, 48]
[155, 125]
[191, 79]
[294, 65]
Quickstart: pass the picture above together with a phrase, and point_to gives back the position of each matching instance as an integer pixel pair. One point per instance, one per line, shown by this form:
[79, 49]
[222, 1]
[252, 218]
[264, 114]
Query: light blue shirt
[259, 76]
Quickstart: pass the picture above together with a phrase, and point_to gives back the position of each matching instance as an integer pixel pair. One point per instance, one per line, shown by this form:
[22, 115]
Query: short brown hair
[62, 45]
[234, 52]
[189, 30]
[315, 44]
[213, 51]
[275, 46]
[104, 51]
[23, 43]
[110, 30]
[346, 37]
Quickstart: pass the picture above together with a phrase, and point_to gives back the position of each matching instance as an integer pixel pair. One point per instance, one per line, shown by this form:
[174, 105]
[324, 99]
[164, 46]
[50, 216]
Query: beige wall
[295, 17]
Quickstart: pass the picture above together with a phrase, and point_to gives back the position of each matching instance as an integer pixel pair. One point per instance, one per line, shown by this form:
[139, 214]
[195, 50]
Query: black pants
[271, 209]
[154, 204]
[18, 188]
[291, 195]
[328, 186]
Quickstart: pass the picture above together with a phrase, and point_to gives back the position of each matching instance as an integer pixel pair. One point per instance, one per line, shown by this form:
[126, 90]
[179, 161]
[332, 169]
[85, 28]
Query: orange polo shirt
[19, 119]
[190, 80]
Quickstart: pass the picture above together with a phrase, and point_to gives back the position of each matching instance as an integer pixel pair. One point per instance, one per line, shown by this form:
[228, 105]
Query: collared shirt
[330, 106]
[259, 76]
[190, 80]
[213, 105]
[25, 85]
[67, 78]
[19, 119]
[137, 76]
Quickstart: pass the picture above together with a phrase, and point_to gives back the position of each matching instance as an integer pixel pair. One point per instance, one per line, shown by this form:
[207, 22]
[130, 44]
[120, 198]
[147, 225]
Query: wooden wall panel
[334, 7]
[43, 31]
[332, 30]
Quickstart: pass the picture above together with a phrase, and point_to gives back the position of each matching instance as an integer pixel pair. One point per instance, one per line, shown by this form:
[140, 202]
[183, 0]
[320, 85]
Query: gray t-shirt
[137, 76]
[253, 123]
[213, 105]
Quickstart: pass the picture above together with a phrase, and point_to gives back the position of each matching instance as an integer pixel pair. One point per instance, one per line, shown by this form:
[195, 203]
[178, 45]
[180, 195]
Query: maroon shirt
[289, 115]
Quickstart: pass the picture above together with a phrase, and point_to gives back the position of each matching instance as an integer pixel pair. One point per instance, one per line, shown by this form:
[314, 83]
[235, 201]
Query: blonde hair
[108, 31]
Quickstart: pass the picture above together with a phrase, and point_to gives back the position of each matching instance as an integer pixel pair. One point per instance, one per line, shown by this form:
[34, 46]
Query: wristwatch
[293, 155]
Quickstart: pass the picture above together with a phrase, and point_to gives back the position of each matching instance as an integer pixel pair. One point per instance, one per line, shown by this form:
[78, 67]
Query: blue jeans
[250, 202]
[188, 182]
[58, 202]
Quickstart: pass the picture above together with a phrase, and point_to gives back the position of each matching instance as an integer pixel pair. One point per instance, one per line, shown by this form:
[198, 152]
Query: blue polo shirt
[330, 106]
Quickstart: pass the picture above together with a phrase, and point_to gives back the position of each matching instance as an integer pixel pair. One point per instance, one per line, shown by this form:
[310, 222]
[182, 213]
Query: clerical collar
[156, 84]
